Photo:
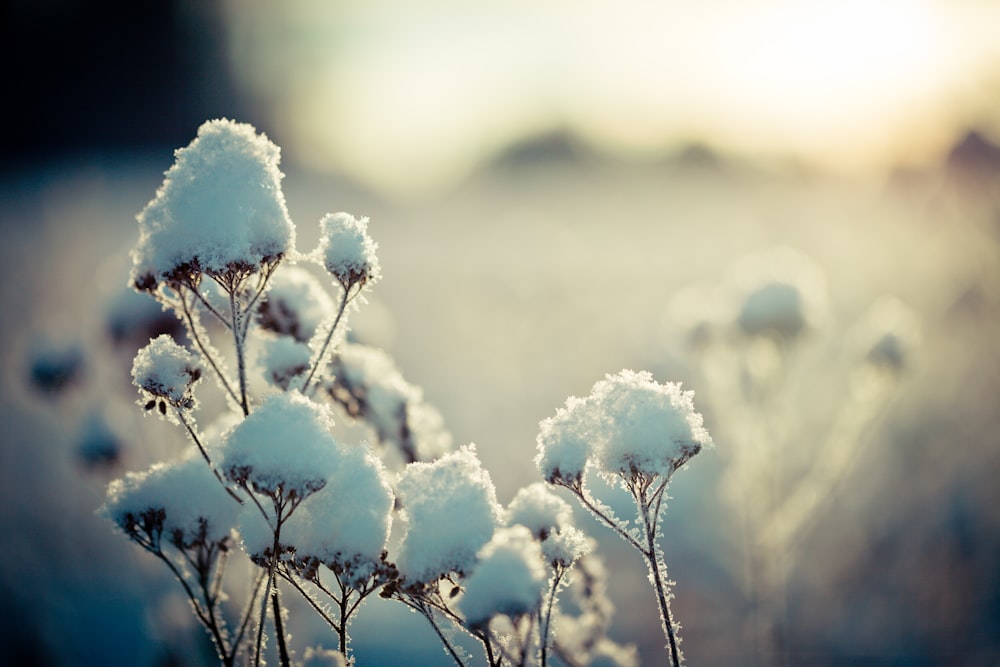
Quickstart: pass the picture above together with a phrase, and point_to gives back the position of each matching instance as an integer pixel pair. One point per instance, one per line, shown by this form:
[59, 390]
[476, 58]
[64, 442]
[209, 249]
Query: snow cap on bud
[346, 250]
[220, 207]
[449, 511]
[165, 374]
[284, 447]
[509, 578]
[181, 502]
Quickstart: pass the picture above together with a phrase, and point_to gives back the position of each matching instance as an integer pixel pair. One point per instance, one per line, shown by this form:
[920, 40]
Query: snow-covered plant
[312, 514]
[636, 433]
[761, 338]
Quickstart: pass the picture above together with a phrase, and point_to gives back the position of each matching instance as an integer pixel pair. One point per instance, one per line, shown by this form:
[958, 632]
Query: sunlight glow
[409, 97]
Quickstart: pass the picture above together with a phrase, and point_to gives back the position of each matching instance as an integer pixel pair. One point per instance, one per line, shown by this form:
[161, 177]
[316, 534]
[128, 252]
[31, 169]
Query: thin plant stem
[344, 299]
[545, 623]
[652, 555]
[203, 348]
[238, 340]
[279, 627]
[204, 454]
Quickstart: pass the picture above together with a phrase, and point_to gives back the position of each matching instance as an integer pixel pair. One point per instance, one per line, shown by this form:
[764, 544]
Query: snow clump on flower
[346, 250]
[295, 306]
[284, 447]
[564, 443]
[449, 512]
[550, 520]
[645, 427]
[185, 500]
[629, 424]
[509, 578]
[165, 370]
[346, 525]
[220, 207]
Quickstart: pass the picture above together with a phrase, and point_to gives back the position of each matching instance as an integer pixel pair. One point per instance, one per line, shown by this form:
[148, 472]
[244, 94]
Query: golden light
[409, 97]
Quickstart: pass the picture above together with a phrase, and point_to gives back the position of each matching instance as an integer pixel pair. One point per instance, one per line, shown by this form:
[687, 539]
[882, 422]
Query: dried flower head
[220, 208]
[166, 375]
[346, 250]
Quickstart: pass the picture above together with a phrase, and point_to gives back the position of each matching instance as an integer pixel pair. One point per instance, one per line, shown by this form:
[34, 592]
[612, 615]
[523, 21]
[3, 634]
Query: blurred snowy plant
[368, 385]
[635, 433]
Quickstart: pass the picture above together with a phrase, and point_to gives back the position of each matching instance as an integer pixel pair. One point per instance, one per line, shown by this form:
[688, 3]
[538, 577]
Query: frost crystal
[283, 447]
[450, 511]
[509, 578]
[346, 250]
[296, 304]
[219, 207]
[165, 370]
[189, 500]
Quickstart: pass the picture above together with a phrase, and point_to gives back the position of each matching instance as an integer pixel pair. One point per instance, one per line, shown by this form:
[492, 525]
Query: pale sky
[409, 96]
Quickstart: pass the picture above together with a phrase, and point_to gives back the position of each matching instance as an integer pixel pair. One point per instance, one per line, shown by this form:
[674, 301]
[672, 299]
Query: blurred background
[791, 207]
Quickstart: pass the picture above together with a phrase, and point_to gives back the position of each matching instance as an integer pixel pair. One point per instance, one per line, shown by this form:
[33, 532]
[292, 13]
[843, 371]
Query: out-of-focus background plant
[793, 208]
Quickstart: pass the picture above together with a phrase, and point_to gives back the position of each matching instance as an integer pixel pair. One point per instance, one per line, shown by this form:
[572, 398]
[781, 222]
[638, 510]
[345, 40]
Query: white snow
[392, 405]
[347, 522]
[188, 492]
[346, 250]
[220, 205]
[449, 512]
[539, 510]
[164, 369]
[509, 578]
[628, 424]
[564, 442]
[285, 446]
[644, 426]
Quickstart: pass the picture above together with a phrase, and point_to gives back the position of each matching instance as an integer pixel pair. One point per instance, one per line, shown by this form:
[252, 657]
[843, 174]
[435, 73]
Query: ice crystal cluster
[329, 519]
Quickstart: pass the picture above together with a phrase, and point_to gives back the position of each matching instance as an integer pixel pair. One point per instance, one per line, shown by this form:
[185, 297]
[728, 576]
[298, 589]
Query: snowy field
[523, 286]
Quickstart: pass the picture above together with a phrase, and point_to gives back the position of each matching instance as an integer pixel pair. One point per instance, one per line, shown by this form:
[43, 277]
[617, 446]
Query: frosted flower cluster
[220, 208]
[346, 525]
[166, 373]
[284, 447]
[509, 578]
[183, 501]
[449, 512]
[347, 251]
[549, 519]
[629, 424]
